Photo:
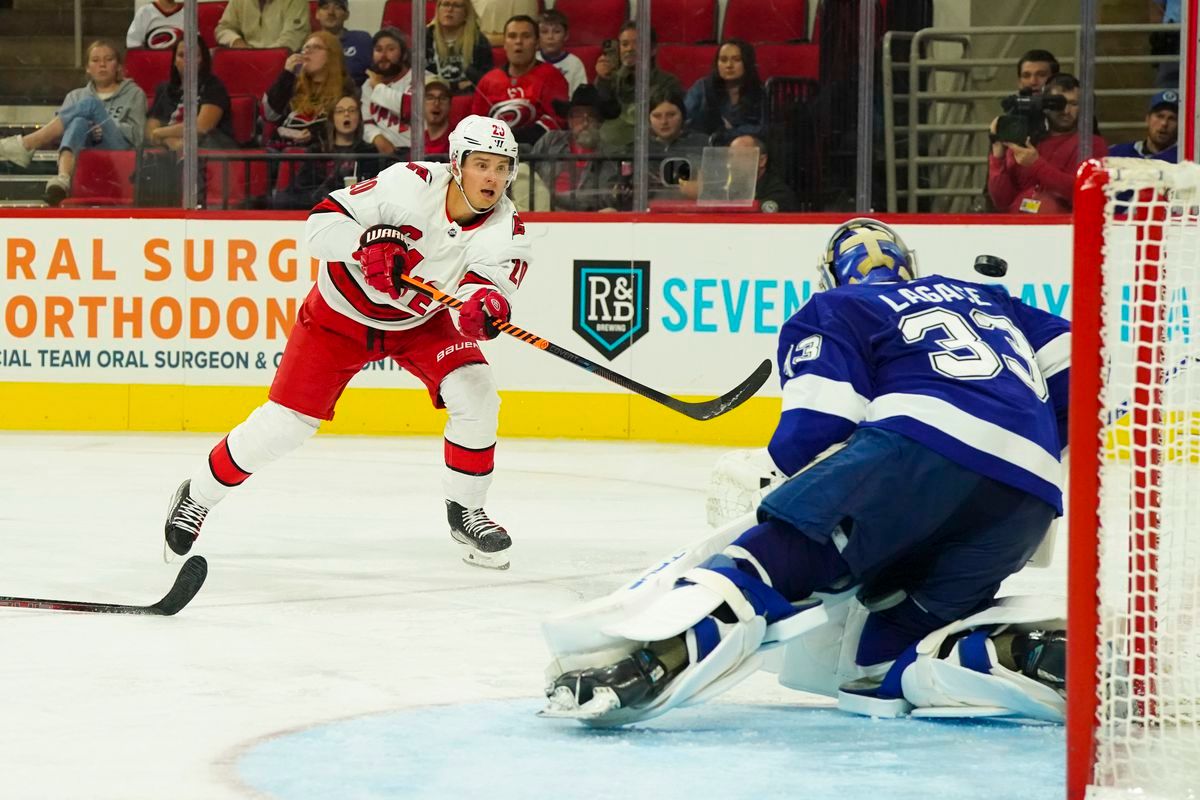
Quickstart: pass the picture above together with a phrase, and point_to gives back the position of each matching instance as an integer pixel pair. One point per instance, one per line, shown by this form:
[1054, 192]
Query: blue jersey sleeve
[1050, 337]
[826, 385]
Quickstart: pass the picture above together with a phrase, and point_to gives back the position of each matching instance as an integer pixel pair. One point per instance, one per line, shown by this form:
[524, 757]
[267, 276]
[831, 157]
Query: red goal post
[1133, 683]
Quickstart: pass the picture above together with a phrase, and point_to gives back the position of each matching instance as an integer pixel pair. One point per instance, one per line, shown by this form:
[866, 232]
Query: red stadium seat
[780, 21]
[103, 178]
[684, 21]
[243, 111]
[688, 62]
[248, 71]
[313, 5]
[398, 13]
[148, 68]
[593, 21]
[792, 60]
[235, 184]
[460, 106]
[207, 16]
[589, 54]
[499, 57]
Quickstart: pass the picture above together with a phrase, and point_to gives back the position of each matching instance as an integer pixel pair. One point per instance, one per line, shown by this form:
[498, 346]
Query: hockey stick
[187, 583]
[706, 409]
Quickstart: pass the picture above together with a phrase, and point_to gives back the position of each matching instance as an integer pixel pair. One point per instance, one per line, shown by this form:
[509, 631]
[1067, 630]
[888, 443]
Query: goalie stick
[187, 583]
[706, 409]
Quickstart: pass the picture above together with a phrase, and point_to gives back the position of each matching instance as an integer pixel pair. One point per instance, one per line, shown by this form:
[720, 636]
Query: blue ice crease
[500, 750]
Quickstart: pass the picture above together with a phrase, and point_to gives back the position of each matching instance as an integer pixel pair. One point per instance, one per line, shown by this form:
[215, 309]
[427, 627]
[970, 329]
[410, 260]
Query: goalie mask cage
[1133, 683]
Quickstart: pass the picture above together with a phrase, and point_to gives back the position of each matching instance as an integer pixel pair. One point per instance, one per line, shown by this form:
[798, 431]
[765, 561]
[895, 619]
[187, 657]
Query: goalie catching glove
[480, 314]
[384, 256]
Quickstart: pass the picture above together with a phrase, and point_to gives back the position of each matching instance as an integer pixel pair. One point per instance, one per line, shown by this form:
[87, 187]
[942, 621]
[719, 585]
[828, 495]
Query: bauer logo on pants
[612, 304]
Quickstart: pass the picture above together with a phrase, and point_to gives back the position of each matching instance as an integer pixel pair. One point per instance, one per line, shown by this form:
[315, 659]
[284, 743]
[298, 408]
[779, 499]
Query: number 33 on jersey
[964, 368]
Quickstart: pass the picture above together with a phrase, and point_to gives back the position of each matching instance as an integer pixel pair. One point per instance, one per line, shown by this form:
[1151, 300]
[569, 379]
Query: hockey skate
[485, 544]
[591, 694]
[184, 518]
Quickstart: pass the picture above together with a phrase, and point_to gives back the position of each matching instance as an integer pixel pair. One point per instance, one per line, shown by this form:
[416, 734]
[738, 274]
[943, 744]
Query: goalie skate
[592, 694]
[483, 542]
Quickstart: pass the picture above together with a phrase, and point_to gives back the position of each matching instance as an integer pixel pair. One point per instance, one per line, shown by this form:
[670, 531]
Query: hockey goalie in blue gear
[922, 425]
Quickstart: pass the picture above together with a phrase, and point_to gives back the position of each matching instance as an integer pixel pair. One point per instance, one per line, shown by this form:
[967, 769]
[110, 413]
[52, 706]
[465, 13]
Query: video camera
[1024, 115]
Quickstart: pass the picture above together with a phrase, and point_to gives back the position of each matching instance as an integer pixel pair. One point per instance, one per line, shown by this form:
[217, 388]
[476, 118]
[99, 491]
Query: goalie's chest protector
[412, 196]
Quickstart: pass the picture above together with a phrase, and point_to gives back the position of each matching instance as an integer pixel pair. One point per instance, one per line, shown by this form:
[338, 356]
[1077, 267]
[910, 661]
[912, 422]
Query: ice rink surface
[341, 649]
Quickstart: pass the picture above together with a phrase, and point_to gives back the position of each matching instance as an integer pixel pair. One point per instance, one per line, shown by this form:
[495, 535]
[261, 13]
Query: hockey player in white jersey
[452, 227]
[922, 425]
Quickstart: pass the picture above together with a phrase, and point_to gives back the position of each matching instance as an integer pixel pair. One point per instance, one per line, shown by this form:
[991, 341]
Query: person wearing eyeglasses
[264, 23]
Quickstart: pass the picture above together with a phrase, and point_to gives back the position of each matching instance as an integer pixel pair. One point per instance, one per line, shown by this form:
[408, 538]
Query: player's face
[102, 65]
[452, 14]
[520, 43]
[484, 177]
[729, 63]
[346, 116]
[627, 47]
[314, 55]
[1162, 128]
[666, 121]
[332, 17]
[437, 104]
[1034, 74]
[551, 37]
[1065, 121]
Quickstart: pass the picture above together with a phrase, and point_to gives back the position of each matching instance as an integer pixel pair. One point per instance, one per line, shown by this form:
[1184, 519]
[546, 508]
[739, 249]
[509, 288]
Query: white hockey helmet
[483, 135]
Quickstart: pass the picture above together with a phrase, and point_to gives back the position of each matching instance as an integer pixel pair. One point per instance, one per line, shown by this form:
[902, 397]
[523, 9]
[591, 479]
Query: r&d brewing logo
[612, 304]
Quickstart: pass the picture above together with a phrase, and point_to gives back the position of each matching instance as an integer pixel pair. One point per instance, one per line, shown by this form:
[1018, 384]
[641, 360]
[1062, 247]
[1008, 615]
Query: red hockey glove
[477, 314]
[384, 256]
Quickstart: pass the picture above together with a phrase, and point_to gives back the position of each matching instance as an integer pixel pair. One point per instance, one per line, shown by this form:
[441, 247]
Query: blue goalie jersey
[963, 368]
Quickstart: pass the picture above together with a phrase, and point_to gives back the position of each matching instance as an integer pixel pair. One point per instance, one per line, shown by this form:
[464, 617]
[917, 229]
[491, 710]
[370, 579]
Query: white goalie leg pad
[473, 414]
[821, 659]
[269, 433]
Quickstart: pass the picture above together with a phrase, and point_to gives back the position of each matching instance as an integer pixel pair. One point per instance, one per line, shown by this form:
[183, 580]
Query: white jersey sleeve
[500, 259]
[337, 222]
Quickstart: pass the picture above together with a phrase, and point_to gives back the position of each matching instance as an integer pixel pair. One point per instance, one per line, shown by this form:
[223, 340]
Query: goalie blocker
[694, 625]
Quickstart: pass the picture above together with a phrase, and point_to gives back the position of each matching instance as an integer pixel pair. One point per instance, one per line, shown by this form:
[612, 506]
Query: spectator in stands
[729, 101]
[312, 180]
[264, 23]
[1035, 68]
[524, 91]
[387, 94]
[576, 184]
[214, 125]
[1162, 131]
[615, 75]
[553, 31]
[108, 113]
[158, 26]
[356, 45]
[671, 143]
[1166, 43]
[437, 116]
[301, 100]
[771, 191]
[455, 48]
[495, 14]
[1039, 177]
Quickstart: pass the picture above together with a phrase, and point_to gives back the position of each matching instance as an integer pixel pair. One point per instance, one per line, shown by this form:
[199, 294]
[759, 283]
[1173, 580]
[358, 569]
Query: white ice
[340, 641]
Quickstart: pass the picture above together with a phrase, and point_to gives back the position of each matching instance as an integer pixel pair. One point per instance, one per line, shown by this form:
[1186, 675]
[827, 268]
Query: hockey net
[1134, 568]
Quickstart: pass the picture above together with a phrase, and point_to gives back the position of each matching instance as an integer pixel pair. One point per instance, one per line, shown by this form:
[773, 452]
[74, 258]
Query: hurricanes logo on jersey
[612, 304]
[516, 111]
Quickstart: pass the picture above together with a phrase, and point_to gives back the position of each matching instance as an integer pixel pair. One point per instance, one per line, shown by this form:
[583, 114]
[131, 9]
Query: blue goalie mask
[865, 250]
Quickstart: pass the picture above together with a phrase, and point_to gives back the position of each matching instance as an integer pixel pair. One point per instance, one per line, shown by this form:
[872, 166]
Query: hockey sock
[889, 632]
[795, 565]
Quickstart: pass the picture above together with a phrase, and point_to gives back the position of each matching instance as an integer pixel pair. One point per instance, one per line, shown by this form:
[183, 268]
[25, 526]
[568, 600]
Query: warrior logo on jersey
[612, 304]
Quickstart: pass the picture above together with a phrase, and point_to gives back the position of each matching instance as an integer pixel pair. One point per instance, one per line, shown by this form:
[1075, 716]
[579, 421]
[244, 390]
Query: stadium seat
[688, 62]
[313, 5]
[684, 21]
[792, 60]
[499, 57]
[148, 68]
[593, 21]
[235, 184]
[783, 21]
[103, 178]
[248, 71]
[208, 14]
[398, 13]
[243, 111]
[460, 106]
[589, 54]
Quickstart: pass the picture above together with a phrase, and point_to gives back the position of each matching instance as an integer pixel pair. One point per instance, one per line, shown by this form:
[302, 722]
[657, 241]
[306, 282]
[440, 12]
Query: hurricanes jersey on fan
[493, 251]
[963, 368]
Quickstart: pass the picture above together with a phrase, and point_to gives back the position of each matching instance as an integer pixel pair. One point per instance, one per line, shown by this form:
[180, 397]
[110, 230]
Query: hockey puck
[992, 266]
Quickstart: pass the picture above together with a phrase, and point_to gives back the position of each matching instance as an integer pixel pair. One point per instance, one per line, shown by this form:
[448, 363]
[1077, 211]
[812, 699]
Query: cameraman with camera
[1035, 149]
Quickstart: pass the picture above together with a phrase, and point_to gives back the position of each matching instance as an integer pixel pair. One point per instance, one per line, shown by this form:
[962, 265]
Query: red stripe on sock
[468, 461]
[223, 467]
